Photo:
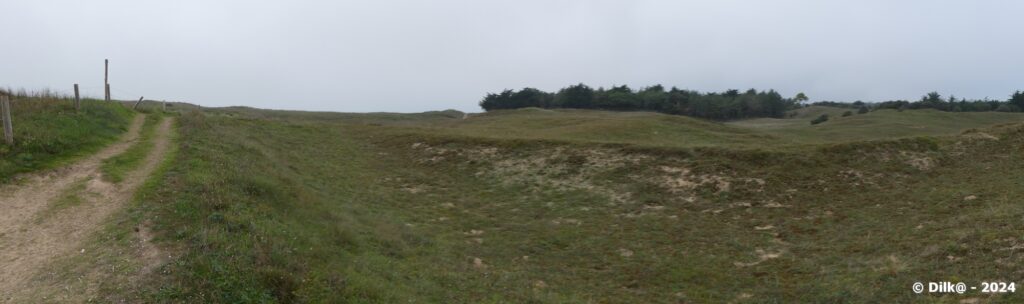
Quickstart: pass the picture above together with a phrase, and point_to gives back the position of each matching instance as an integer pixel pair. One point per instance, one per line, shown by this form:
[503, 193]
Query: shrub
[1007, 108]
[847, 113]
[820, 119]
[862, 110]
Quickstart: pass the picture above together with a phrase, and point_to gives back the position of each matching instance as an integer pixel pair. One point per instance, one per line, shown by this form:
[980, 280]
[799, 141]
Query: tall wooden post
[5, 108]
[78, 99]
[106, 79]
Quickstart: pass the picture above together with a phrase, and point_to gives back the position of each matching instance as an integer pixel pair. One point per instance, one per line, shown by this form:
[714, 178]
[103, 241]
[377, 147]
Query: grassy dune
[880, 124]
[49, 132]
[669, 131]
[527, 206]
[644, 128]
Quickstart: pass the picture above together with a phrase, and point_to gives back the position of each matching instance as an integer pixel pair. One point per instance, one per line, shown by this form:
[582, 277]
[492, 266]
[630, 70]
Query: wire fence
[74, 94]
[43, 96]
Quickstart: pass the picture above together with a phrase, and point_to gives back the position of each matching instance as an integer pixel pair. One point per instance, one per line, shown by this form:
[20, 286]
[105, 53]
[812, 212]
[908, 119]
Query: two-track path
[29, 242]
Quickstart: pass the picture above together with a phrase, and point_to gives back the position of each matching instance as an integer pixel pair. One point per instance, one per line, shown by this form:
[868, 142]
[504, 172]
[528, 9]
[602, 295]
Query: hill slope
[600, 126]
[352, 208]
[879, 124]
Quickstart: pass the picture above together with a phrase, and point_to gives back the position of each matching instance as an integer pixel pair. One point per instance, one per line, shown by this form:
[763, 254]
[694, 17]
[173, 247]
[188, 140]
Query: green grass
[240, 199]
[48, 132]
[599, 126]
[812, 112]
[881, 124]
[661, 130]
[378, 208]
[652, 129]
[115, 168]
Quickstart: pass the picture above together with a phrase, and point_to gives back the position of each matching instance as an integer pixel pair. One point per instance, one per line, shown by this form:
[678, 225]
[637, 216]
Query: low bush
[820, 119]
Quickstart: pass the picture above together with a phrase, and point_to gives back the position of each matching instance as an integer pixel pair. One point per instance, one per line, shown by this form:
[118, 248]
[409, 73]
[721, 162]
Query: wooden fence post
[137, 103]
[78, 99]
[106, 79]
[5, 107]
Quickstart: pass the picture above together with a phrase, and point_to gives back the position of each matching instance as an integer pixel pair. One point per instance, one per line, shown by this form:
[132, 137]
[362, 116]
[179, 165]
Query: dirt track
[29, 242]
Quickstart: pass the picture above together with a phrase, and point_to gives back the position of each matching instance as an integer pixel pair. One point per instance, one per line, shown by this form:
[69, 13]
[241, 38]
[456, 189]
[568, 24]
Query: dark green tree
[578, 96]
[1017, 99]
[800, 97]
[654, 98]
[618, 98]
[528, 97]
[933, 100]
[497, 101]
[731, 104]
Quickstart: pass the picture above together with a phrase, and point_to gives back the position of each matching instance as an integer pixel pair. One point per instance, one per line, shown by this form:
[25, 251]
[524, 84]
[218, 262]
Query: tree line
[731, 104]
[934, 100]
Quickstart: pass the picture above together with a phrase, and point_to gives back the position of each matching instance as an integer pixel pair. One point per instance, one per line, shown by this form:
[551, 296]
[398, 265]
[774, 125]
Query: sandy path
[19, 202]
[27, 244]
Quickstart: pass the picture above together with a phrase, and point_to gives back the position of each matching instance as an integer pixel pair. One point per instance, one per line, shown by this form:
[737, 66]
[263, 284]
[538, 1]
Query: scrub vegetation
[579, 206]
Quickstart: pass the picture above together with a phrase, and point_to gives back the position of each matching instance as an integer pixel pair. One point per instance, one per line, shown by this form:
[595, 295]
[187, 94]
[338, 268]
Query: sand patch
[479, 263]
[557, 168]
[682, 180]
[890, 264]
[979, 135]
[772, 204]
[918, 160]
[762, 256]
[414, 189]
[567, 221]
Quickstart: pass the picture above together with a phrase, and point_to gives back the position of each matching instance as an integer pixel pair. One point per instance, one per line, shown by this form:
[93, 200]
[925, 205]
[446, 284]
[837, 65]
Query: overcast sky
[410, 56]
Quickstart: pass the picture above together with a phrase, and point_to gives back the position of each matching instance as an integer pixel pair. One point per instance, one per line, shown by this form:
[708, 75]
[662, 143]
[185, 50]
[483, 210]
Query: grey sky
[408, 56]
